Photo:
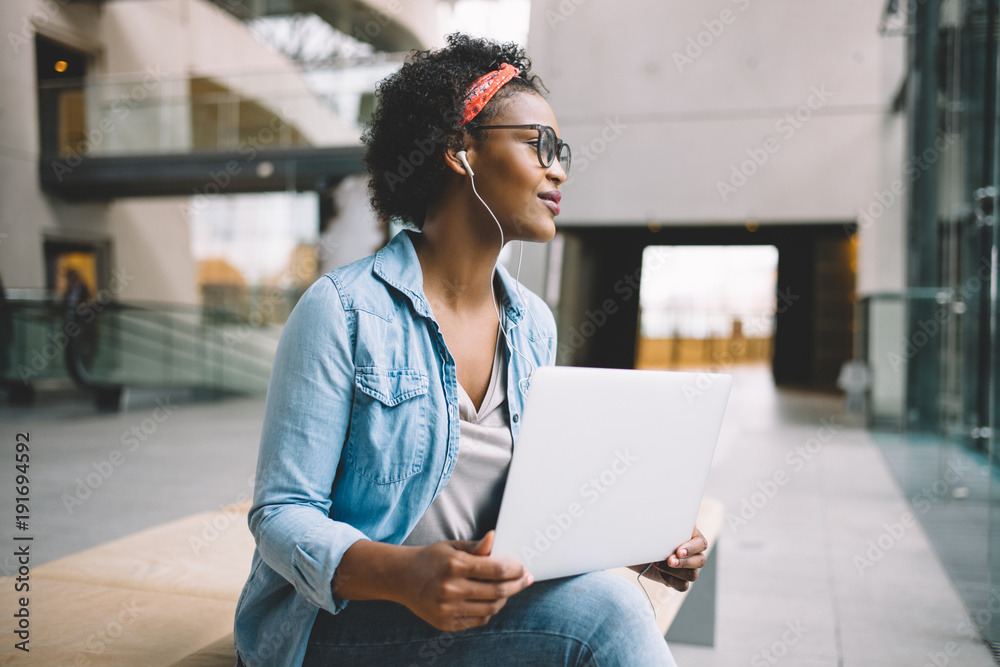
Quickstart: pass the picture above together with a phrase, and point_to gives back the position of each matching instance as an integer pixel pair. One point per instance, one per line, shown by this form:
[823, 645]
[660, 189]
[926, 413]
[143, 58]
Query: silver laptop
[609, 467]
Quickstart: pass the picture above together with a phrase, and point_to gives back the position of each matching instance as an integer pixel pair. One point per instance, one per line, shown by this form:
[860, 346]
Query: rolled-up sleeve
[306, 420]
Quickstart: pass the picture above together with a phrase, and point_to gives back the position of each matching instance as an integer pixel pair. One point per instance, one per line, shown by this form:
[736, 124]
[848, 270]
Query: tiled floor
[172, 461]
[809, 554]
[950, 487]
[799, 581]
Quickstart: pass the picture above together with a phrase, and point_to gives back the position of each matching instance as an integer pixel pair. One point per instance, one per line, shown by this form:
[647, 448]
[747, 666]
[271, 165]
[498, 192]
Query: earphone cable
[648, 599]
[472, 181]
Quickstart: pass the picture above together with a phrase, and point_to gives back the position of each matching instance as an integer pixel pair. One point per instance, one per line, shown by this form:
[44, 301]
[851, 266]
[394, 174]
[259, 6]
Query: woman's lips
[552, 199]
[554, 195]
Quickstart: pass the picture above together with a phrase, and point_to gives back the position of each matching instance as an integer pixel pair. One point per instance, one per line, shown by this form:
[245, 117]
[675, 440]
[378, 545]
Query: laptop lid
[609, 467]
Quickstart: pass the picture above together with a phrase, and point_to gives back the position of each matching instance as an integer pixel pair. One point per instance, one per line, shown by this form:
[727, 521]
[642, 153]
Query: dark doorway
[61, 71]
[87, 259]
[814, 318]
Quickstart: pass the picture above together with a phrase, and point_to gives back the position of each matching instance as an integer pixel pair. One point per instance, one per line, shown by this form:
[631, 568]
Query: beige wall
[149, 238]
[26, 215]
[153, 242]
[665, 131]
[656, 123]
[882, 228]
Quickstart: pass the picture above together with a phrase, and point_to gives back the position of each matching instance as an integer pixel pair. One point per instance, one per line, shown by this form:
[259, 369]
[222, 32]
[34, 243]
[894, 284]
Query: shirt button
[515, 417]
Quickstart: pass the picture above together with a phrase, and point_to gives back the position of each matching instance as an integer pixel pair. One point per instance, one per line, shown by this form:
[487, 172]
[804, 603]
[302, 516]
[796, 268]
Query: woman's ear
[454, 162]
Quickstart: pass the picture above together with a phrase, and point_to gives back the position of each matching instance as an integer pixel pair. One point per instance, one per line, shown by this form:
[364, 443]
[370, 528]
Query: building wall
[353, 232]
[882, 214]
[723, 112]
[153, 244]
[195, 38]
[26, 215]
[670, 97]
[126, 40]
[882, 247]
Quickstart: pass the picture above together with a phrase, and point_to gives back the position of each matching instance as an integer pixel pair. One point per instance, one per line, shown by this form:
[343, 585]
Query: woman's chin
[540, 231]
[549, 234]
[544, 231]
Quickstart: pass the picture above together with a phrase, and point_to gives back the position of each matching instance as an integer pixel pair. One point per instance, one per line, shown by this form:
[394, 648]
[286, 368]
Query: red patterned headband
[484, 88]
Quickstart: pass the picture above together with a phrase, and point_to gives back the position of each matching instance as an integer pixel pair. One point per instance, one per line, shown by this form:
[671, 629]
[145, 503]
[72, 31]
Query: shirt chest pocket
[389, 429]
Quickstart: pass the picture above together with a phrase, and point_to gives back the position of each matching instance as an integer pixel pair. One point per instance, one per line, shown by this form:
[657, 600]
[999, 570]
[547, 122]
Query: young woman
[394, 405]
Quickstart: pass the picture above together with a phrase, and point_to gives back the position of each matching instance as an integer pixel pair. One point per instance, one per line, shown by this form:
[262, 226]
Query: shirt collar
[397, 264]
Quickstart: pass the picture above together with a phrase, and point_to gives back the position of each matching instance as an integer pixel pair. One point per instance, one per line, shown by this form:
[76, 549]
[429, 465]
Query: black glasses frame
[557, 153]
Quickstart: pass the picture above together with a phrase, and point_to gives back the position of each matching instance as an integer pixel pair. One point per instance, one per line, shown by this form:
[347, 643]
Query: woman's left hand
[682, 566]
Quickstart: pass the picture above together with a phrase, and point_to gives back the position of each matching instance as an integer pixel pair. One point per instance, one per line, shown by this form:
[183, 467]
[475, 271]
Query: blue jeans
[595, 619]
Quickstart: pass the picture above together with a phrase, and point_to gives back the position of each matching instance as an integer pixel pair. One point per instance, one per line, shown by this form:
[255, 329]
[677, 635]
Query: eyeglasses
[548, 145]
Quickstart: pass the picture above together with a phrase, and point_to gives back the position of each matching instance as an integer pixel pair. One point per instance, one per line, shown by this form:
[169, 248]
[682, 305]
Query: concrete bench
[167, 595]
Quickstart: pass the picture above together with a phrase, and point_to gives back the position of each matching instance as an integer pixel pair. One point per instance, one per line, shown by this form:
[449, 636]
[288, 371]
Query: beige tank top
[467, 507]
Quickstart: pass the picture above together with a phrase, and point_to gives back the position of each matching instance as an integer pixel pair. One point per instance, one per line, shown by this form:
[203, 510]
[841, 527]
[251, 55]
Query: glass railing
[156, 113]
[136, 345]
[888, 344]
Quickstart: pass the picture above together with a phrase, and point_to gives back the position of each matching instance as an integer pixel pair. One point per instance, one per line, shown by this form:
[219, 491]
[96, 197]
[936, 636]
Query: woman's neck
[457, 252]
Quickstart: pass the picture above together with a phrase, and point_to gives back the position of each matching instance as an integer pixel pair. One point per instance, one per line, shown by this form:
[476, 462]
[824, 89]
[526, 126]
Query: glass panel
[156, 113]
[932, 352]
[150, 345]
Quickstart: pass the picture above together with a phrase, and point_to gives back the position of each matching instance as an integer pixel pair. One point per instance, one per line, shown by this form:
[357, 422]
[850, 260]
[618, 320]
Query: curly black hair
[417, 116]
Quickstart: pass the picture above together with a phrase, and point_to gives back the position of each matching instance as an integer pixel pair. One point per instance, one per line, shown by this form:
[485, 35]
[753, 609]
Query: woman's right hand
[456, 585]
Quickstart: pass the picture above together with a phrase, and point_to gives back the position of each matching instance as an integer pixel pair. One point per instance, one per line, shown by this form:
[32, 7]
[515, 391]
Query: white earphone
[465, 163]
[523, 384]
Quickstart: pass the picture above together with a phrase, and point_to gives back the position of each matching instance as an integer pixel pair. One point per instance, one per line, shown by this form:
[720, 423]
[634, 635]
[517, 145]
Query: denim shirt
[360, 434]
